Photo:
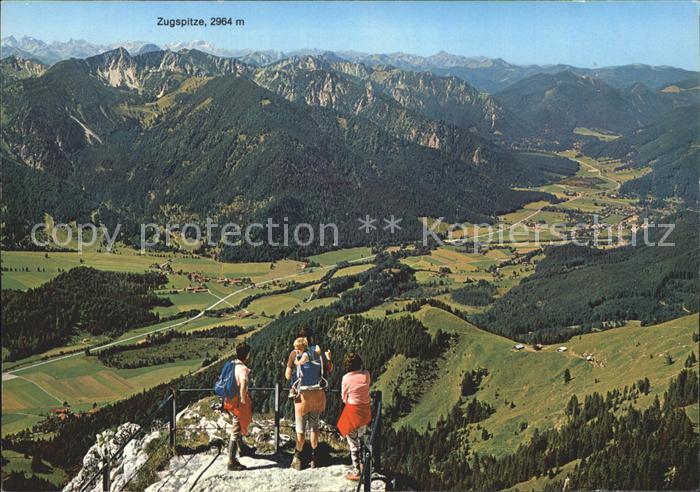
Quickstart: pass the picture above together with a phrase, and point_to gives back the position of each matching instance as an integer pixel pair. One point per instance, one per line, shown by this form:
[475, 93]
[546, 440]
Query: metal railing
[172, 422]
[371, 448]
[105, 469]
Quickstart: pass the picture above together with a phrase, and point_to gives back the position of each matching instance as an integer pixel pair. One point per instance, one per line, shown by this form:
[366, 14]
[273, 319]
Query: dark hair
[307, 333]
[353, 362]
[242, 350]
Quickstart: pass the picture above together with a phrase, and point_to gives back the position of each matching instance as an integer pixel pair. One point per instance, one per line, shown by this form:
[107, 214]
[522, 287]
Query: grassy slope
[18, 463]
[534, 381]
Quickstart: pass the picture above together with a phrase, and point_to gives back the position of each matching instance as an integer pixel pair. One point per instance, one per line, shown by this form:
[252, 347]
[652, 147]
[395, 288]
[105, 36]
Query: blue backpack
[226, 386]
[310, 374]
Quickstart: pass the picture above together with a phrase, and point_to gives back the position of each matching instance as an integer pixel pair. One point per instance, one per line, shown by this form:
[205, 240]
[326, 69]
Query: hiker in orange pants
[357, 413]
[240, 407]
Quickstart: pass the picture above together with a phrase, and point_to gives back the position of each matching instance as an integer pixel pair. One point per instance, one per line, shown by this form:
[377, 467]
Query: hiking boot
[312, 463]
[352, 475]
[235, 465]
[244, 449]
[296, 462]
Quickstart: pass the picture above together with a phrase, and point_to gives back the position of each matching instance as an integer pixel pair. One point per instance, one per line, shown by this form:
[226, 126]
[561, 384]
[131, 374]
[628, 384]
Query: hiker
[308, 391]
[357, 413]
[240, 407]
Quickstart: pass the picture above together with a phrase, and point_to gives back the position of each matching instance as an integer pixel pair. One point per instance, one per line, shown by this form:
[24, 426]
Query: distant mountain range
[186, 134]
[486, 74]
[189, 134]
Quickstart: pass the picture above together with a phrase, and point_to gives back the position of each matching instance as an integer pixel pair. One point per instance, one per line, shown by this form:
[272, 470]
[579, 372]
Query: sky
[586, 34]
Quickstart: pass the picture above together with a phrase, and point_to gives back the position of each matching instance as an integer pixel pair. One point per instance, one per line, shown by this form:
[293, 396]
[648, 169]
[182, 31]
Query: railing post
[367, 471]
[173, 418]
[277, 417]
[377, 444]
[106, 479]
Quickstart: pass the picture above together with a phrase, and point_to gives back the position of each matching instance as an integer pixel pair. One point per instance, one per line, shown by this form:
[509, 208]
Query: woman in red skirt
[357, 413]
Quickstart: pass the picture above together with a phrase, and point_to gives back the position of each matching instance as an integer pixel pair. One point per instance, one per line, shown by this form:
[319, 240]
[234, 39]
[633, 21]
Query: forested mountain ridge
[82, 299]
[21, 67]
[559, 103]
[244, 139]
[441, 97]
[495, 74]
[51, 118]
[670, 146]
[219, 144]
[651, 283]
[316, 82]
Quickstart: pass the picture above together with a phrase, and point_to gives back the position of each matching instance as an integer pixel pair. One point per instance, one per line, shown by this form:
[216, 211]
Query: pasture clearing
[533, 381]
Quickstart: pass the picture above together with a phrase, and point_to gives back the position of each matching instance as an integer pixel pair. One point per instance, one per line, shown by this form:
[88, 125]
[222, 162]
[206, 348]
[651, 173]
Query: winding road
[8, 374]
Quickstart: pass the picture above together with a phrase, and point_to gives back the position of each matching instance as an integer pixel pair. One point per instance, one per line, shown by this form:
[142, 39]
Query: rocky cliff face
[200, 464]
[123, 469]
[22, 67]
[159, 71]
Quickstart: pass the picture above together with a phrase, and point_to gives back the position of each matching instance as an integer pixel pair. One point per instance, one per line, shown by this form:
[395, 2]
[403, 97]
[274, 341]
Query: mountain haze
[486, 74]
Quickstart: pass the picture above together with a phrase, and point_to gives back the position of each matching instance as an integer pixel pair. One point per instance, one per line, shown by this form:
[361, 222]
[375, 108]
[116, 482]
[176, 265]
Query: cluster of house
[196, 288]
[232, 281]
[198, 277]
[520, 346]
[62, 413]
[201, 280]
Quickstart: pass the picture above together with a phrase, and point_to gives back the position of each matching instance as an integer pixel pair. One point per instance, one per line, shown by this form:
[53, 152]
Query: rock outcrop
[200, 459]
[123, 468]
[207, 472]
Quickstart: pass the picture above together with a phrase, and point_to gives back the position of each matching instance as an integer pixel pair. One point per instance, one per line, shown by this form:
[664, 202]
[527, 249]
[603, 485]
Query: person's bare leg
[314, 440]
[296, 462]
[301, 439]
[233, 463]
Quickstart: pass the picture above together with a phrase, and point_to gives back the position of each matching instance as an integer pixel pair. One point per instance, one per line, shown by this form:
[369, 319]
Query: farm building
[192, 288]
[519, 346]
[562, 349]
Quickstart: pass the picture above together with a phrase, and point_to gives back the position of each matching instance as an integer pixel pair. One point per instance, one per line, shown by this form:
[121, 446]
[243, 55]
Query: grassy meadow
[533, 381]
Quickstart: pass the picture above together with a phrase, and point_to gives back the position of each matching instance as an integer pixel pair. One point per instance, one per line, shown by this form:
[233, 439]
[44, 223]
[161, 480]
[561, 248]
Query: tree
[572, 408]
[691, 360]
[567, 376]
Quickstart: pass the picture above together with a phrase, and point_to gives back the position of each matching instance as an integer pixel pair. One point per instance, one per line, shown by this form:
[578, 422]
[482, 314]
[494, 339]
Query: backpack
[310, 375]
[226, 386]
